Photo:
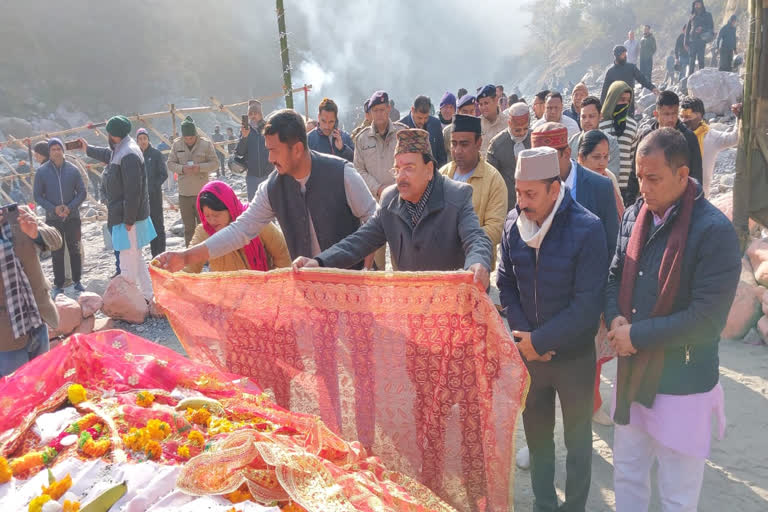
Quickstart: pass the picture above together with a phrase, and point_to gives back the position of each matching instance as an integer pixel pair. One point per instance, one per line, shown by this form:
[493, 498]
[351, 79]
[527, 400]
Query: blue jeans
[37, 344]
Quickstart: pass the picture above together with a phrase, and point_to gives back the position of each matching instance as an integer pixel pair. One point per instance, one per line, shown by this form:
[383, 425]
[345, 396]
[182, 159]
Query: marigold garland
[26, 462]
[57, 489]
[183, 451]
[5, 471]
[95, 449]
[144, 399]
[239, 495]
[76, 394]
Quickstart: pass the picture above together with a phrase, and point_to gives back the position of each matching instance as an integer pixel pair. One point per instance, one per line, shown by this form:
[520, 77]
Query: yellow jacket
[274, 246]
[489, 198]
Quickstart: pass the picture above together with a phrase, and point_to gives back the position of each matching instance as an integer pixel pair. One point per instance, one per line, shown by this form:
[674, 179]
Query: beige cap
[537, 164]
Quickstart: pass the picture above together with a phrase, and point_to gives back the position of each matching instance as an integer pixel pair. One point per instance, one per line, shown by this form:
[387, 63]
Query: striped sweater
[627, 147]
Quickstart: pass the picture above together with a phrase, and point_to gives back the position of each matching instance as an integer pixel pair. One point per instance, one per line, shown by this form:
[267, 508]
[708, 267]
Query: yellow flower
[158, 430]
[36, 505]
[183, 451]
[196, 437]
[153, 450]
[57, 489]
[71, 506]
[136, 439]
[5, 471]
[144, 399]
[219, 425]
[76, 394]
[96, 449]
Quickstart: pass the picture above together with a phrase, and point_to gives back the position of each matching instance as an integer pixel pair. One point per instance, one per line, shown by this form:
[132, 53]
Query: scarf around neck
[531, 233]
[620, 113]
[416, 210]
[700, 132]
[639, 375]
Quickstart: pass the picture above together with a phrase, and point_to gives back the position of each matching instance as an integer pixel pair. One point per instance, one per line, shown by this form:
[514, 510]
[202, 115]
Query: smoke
[348, 50]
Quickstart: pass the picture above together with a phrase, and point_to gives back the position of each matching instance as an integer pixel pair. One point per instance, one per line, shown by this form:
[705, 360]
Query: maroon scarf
[639, 375]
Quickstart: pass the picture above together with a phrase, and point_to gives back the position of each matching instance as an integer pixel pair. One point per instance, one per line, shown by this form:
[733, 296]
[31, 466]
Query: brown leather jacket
[26, 250]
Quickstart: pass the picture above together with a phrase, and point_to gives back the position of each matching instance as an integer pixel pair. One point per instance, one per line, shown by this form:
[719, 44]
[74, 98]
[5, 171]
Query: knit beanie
[52, 141]
[41, 148]
[188, 128]
[119, 126]
[142, 131]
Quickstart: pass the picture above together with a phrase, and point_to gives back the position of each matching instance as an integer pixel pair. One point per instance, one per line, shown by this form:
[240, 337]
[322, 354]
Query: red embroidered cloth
[416, 366]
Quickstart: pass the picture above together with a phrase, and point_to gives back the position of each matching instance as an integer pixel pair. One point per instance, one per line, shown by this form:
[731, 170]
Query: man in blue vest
[419, 118]
[317, 199]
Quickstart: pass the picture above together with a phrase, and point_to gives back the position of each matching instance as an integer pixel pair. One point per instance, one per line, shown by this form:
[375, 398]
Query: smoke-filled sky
[347, 50]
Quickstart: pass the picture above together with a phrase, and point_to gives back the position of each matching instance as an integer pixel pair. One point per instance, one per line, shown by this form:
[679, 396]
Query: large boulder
[124, 301]
[746, 307]
[103, 324]
[762, 328]
[724, 203]
[90, 303]
[717, 89]
[757, 252]
[86, 326]
[17, 127]
[70, 316]
[645, 101]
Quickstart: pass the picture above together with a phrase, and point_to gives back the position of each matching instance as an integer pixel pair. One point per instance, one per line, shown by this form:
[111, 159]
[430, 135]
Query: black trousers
[70, 233]
[157, 246]
[726, 59]
[697, 50]
[646, 68]
[573, 381]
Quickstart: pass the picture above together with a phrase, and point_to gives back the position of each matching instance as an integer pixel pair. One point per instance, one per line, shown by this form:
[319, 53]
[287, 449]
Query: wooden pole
[173, 120]
[306, 102]
[286, 61]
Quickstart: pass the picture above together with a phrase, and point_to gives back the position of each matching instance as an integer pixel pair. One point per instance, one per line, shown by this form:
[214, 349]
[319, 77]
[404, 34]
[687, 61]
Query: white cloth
[260, 213]
[571, 125]
[518, 141]
[134, 268]
[633, 50]
[679, 476]
[533, 234]
[714, 142]
[151, 487]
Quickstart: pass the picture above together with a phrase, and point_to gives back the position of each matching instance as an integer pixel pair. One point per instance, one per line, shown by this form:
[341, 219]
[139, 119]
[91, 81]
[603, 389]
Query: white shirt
[571, 179]
[260, 213]
[633, 50]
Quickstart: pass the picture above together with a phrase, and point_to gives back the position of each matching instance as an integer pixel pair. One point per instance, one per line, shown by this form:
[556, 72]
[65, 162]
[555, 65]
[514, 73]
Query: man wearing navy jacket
[419, 118]
[552, 275]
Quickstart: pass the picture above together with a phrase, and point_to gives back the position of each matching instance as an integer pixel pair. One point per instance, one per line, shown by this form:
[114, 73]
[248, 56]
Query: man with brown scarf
[670, 287]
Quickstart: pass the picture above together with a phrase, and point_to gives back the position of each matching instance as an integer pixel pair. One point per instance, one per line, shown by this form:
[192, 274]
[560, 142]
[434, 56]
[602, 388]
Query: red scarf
[254, 251]
[639, 375]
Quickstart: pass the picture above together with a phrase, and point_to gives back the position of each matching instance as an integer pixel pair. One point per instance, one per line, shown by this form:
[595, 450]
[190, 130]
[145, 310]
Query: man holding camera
[60, 190]
[252, 148]
[26, 308]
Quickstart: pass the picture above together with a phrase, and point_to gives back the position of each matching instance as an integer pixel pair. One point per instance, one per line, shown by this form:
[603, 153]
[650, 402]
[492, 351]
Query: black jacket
[726, 39]
[124, 184]
[680, 50]
[694, 150]
[155, 168]
[710, 273]
[703, 20]
[627, 73]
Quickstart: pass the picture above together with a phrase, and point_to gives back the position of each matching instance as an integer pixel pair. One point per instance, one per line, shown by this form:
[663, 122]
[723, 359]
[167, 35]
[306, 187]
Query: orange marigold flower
[144, 399]
[200, 416]
[57, 489]
[196, 437]
[71, 506]
[76, 394]
[153, 450]
[5, 471]
[183, 451]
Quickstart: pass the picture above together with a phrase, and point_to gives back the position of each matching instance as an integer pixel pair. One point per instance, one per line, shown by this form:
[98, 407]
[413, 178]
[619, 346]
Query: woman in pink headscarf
[218, 206]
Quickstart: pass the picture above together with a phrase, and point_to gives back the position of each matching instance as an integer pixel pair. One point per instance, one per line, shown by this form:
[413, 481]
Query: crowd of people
[589, 219]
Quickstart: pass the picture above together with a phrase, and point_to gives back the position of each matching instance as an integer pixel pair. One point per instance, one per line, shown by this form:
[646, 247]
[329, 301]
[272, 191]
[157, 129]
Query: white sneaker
[601, 418]
[523, 458]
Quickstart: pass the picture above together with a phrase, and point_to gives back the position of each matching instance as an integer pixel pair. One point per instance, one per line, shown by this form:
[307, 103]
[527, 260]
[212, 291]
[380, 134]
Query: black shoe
[79, 287]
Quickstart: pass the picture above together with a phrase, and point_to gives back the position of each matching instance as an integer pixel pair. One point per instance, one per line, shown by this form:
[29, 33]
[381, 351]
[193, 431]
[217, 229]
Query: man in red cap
[589, 189]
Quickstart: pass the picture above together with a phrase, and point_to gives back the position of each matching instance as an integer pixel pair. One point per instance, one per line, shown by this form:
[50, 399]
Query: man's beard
[622, 61]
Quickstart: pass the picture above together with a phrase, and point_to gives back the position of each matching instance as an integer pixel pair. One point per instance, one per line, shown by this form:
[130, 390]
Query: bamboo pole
[284, 56]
